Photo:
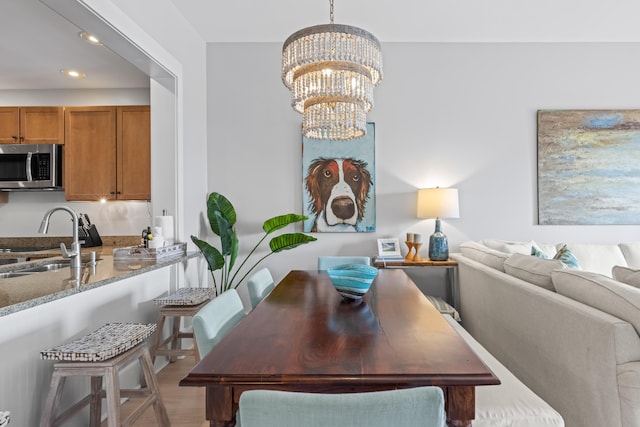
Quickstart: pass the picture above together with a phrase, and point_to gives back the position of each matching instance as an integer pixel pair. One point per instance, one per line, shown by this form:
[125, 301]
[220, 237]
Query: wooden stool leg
[96, 401]
[154, 387]
[53, 399]
[175, 343]
[157, 337]
[113, 396]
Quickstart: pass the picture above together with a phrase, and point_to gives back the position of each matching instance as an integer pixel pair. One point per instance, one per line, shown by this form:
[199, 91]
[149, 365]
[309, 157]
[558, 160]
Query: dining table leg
[219, 409]
[460, 405]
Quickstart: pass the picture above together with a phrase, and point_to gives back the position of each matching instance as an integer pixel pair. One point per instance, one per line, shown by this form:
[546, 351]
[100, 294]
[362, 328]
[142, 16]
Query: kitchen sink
[25, 271]
[11, 274]
[44, 267]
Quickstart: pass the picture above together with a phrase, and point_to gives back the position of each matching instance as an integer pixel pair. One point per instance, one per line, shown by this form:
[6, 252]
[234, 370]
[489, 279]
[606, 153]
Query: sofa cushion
[597, 258]
[533, 269]
[631, 252]
[511, 403]
[626, 275]
[601, 292]
[509, 247]
[483, 254]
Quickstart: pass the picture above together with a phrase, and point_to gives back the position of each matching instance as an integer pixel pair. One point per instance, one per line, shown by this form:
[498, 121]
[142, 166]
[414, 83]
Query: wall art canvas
[589, 167]
[338, 184]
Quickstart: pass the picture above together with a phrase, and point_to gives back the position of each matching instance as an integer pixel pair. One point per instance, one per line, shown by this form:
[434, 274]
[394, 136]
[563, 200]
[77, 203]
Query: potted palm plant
[222, 219]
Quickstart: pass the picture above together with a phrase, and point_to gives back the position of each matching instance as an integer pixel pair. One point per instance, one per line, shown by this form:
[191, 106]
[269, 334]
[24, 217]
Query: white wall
[447, 114]
[179, 43]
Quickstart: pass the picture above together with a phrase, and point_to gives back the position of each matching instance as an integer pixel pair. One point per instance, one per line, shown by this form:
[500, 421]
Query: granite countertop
[50, 245]
[20, 293]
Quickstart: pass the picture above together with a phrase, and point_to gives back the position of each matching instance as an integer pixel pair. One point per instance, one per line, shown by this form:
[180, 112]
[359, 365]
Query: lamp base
[438, 245]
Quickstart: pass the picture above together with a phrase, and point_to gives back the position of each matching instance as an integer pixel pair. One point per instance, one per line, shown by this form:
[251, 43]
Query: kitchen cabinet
[107, 154]
[31, 125]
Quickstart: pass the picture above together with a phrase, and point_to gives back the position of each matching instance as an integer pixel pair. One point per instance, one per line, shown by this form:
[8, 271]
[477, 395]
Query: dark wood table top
[305, 337]
[303, 332]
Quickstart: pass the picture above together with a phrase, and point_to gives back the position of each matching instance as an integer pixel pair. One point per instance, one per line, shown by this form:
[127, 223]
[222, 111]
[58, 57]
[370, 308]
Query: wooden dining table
[305, 337]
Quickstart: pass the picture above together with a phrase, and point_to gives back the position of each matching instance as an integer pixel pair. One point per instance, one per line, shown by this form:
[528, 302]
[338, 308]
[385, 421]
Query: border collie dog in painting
[338, 190]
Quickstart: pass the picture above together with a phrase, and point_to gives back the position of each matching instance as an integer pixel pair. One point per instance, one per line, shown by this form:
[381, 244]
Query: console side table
[450, 265]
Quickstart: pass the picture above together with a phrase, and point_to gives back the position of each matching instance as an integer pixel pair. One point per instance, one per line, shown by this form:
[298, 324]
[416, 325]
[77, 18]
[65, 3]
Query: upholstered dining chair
[421, 406]
[259, 285]
[328, 262]
[216, 319]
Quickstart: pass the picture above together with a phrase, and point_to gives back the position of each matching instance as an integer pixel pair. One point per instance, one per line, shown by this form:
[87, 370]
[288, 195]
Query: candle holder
[416, 256]
[409, 256]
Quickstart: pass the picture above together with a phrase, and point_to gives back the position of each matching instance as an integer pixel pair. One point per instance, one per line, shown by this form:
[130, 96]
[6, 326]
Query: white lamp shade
[438, 203]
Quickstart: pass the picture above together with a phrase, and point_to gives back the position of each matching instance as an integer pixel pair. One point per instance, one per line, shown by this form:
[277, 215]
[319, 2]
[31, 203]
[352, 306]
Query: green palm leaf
[214, 258]
[222, 219]
[281, 221]
[288, 241]
[218, 204]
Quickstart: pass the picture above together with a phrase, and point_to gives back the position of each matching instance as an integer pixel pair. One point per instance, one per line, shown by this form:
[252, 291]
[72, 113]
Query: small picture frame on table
[389, 248]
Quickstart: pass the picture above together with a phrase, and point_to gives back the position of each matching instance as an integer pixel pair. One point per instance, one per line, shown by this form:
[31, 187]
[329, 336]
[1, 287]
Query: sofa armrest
[558, 347]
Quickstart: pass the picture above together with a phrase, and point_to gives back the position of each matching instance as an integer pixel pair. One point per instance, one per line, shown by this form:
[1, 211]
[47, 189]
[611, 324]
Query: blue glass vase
[438, 245]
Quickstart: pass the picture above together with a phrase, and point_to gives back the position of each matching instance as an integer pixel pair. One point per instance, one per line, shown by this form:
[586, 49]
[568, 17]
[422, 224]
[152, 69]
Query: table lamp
[438, 203]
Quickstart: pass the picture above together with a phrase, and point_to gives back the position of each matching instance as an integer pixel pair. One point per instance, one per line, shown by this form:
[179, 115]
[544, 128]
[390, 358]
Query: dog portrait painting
[339, 184]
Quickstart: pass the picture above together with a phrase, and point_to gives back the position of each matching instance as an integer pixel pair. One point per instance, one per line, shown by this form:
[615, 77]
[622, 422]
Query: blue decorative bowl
[352, 281]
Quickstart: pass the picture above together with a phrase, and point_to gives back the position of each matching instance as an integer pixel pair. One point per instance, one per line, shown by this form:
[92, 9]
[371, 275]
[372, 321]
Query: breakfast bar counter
[23, 292]
[46, 309]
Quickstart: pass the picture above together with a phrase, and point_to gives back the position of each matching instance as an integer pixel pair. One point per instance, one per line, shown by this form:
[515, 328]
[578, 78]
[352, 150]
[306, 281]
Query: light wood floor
[185, 405]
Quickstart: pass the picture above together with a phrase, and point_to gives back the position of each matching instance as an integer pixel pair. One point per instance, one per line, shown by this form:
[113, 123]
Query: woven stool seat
[5, 416]
[185, 302]
[102, 354]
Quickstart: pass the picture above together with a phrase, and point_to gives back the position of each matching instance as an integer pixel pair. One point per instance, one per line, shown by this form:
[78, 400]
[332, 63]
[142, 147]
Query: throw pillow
[626, 275]
[538, 253]
[443, 307]
[631, 252]
[567, 258]
[533, 269]
[597, 258]
[601, 292]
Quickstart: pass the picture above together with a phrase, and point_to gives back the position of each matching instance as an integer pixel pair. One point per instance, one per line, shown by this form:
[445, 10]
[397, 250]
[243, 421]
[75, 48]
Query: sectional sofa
[571, 334]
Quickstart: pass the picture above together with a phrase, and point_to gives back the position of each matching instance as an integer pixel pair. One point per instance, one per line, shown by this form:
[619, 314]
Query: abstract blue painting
[338, 184]
[589, 167]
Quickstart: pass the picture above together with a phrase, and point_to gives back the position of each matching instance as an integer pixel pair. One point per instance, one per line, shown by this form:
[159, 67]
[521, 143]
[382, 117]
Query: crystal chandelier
[331, 70]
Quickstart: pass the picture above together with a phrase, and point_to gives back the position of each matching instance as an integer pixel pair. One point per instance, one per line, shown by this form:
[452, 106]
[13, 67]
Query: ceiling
[420, 20]
[36, 52]
[52, 43]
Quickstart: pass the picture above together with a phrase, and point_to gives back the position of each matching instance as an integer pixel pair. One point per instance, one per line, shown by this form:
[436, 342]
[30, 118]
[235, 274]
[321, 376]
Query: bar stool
[103, 353]
[185, 302]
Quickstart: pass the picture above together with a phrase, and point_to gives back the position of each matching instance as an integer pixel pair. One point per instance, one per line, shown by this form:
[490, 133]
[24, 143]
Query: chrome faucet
[74, 254]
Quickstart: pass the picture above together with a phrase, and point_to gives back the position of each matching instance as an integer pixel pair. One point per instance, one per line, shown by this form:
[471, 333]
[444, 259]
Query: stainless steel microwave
[30, 167]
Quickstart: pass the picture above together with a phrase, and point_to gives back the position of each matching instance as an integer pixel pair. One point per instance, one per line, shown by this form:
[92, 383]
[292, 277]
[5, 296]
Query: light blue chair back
[259, 285]
[421, 406]
[328, 262]
[216, 319]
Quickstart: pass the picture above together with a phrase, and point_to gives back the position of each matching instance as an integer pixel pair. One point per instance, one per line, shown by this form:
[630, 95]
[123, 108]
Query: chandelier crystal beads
[331, 71]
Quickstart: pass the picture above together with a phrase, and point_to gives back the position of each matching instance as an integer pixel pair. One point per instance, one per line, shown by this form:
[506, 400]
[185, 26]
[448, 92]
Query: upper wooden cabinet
[133, 153]
[107, 153]
[31, 125]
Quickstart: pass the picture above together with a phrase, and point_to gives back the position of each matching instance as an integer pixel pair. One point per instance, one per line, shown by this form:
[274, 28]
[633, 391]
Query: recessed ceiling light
[73, 73]
[90, 38]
